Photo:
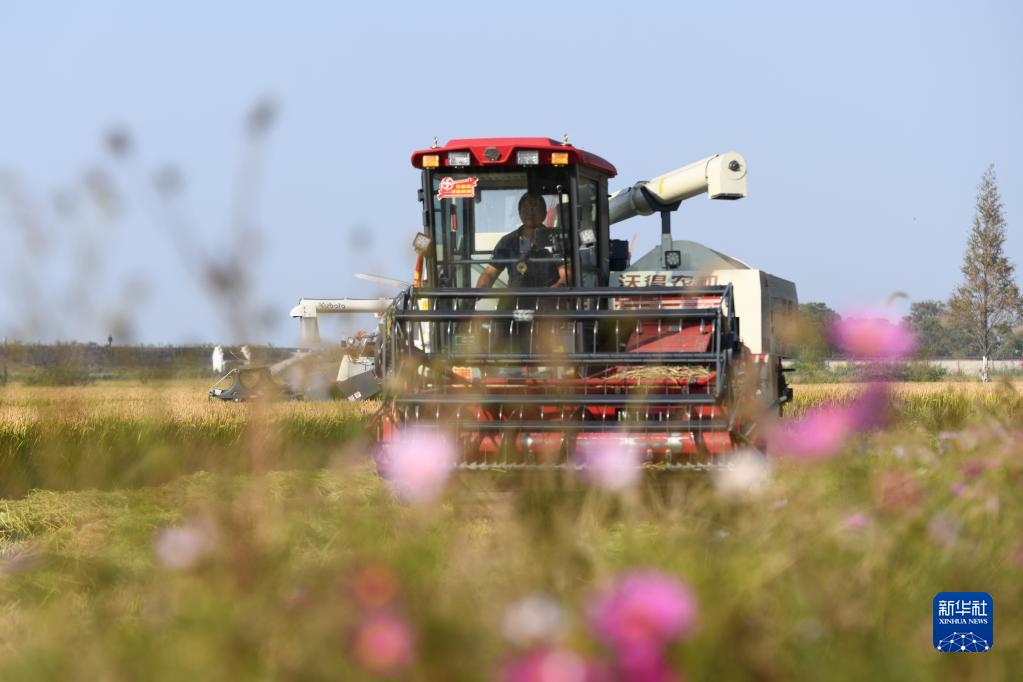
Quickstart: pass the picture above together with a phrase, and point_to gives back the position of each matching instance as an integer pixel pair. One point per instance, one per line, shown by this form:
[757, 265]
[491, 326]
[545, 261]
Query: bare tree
[987, 304]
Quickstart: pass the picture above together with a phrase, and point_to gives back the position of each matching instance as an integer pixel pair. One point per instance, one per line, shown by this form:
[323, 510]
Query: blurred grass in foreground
[828, 570]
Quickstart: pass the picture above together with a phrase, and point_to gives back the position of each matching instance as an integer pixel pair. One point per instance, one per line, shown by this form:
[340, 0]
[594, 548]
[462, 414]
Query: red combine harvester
[529, 335]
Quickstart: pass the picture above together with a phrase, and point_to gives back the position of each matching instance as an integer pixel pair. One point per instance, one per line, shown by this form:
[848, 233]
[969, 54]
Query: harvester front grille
[530, 378]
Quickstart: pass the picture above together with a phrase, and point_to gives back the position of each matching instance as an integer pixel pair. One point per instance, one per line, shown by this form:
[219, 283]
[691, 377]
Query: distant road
[964, 366]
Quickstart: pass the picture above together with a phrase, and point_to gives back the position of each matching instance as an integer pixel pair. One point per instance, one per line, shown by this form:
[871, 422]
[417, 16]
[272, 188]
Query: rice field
[184, 405]
[146, 533]
[931, 405]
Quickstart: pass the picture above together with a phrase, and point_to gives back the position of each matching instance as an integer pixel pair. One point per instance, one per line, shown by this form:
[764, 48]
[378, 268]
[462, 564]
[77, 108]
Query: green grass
[786, 589]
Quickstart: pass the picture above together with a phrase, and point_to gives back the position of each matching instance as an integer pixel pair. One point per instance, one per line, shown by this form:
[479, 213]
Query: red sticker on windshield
[457, 189]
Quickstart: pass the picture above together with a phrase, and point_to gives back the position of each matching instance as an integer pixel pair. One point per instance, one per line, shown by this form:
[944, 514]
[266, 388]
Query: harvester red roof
[504, 148]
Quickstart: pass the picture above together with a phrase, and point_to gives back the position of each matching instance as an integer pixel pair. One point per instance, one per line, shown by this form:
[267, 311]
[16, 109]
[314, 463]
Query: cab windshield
[474, 211]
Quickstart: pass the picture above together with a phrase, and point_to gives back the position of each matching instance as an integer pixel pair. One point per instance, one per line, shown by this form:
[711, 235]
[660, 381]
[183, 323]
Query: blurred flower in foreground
[418, 465]
[973, 468]
[532, 621]
[184, 547]
[943, 530]
[384, 644]
[612, 464]
[17, 558]
[992, 504]
[855, 522]
[897, 491]
[819, 434]
[642, 613]
[374, 586]
[873, 338]
[552, 665]
[746, 475]
[822, 431]
[653, 670]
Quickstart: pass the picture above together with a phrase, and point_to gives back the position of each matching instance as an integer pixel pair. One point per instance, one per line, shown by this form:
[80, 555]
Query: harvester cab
[476, 195]
[531, 337]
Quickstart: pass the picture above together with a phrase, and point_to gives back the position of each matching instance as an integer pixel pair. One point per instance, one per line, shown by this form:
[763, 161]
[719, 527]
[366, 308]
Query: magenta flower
[384, 644]
[552, 665]
[418, 465]
[819, 434]
[641, 670]
[870, 407]
[822, 431]
[612, 464]
[874, 338]
[856, 522]
[641, 614]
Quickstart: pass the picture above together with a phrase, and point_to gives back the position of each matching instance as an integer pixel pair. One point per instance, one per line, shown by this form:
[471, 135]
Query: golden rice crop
[184, 406]
[130, 433]
[935, 406]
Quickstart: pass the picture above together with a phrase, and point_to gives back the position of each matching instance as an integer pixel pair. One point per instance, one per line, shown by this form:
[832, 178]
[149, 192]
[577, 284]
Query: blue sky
[866, 127]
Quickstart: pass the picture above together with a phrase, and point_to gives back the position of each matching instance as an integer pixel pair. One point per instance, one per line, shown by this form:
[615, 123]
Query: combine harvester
[529, 336]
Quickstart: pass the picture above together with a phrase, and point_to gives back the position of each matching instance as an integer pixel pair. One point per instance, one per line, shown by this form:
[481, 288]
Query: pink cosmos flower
[973, 468]
[870, 407]
[552, 665]
[612, 464]
[822, 431]
[184, 547]
[375, 586]
[418, 465]
[819, 434]
[652, 670]
[384, 644]
[641, 614]
[873, 338]
[897, 491]
[856, 521]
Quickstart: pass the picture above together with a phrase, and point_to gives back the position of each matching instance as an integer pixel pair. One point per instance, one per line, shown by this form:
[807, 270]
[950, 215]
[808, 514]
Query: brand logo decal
[457, 189]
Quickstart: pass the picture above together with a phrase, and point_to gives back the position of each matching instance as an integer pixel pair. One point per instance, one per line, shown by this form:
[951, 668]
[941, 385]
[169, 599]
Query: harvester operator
[519, 247]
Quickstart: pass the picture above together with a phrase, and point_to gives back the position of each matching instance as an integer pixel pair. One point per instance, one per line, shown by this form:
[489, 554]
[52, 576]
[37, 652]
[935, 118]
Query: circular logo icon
[521, 267]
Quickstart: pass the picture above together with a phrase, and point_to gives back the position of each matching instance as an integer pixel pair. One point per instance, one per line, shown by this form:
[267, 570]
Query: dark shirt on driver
[514, 252]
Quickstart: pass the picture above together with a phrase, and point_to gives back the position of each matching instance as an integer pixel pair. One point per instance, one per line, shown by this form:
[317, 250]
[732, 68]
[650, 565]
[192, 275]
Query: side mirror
[421, 243]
